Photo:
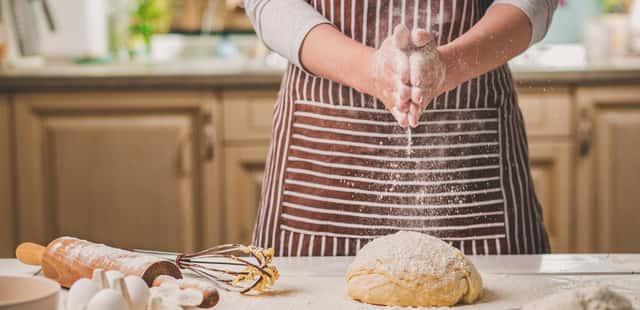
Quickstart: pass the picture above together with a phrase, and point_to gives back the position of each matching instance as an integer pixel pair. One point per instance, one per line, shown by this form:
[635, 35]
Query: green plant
[149, 17]
[615, 6]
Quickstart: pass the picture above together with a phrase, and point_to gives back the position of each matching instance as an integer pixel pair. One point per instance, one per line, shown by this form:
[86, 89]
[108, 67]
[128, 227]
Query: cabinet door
[243, 175]
[548, 119]
[126, 169]
[551, 173]
[7, 238]
[248, 115]
[247, 131]
[547, 112]
[608, 181]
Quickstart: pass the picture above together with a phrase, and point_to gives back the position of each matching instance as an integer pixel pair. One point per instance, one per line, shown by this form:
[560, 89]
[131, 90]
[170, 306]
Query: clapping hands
[408, 73]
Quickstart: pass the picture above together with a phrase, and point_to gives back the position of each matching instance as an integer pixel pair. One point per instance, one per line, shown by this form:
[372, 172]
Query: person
[398, 115]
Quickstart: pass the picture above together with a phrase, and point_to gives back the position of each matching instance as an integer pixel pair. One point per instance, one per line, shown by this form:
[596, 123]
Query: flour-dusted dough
[588, 298]
[412, 269]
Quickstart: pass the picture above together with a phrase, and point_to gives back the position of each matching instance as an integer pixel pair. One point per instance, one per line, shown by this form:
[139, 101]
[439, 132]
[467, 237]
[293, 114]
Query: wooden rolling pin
[68, 259]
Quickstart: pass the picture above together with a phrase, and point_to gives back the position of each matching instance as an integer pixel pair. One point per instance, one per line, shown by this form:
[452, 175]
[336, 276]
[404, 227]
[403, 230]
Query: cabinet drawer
[248, 115]
[546, 112]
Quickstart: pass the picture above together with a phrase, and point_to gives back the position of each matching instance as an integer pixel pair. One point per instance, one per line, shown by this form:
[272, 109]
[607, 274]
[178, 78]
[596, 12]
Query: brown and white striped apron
[339, 172]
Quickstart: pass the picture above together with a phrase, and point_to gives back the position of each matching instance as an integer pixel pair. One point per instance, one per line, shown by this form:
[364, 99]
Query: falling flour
[409, 141]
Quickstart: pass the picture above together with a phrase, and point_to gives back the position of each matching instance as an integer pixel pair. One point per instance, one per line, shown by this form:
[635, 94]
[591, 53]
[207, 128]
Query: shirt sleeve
[283, 24]
[540, 13]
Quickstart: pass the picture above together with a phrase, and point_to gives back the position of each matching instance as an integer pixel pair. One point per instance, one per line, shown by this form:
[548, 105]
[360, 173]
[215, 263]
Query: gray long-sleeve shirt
[283, 24]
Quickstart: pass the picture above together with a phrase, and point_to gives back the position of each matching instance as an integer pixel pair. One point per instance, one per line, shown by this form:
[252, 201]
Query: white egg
[80, 293]
[158, 303]
[189, 297]
[138, 292]
[112, 275]
[107, 299]
[167, 289]
[121, 287]
[155, 302]
[162, 279]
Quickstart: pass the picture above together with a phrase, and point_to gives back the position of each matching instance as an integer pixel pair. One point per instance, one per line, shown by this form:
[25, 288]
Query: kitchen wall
[81, 28]
[569, 19]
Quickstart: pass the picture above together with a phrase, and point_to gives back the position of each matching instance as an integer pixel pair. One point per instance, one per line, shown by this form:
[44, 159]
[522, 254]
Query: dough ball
[411, 269]
[589, 298]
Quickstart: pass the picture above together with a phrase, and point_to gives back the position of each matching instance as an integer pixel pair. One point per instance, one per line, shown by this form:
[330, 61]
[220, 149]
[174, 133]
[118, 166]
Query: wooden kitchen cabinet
[551, 174]
[183, 170]
[248, 116]
[244, 170]
[247, 134]
[608, 173]
[132, 169]
[548, 117]
[7, 238]
[547, 112]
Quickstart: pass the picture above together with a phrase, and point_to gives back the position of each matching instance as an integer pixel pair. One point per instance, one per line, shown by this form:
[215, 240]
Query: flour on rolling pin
[68, 259]
[91, 253]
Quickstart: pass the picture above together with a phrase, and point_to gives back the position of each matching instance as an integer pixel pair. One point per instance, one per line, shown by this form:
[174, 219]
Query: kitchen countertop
[207, 74]
[510, 281]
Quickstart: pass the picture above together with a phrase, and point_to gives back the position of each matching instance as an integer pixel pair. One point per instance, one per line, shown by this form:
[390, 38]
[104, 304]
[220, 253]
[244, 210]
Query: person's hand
[427, 73]
[407, 73]
[391, 76]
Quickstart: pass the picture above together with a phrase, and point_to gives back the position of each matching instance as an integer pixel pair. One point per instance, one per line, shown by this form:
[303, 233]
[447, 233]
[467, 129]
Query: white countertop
[510, 281]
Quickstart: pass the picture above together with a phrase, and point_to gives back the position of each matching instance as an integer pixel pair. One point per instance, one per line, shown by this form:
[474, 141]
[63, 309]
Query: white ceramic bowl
[28, 293]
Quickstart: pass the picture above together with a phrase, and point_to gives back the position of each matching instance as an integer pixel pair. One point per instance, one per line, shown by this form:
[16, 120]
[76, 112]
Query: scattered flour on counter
[361, 306]
[589, 298]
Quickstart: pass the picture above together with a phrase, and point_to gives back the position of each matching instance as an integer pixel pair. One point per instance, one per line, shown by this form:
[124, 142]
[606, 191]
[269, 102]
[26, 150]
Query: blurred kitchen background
[146, 123]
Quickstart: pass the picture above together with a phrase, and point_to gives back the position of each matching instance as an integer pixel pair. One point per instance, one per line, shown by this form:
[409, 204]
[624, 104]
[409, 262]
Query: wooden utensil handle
[30, 253]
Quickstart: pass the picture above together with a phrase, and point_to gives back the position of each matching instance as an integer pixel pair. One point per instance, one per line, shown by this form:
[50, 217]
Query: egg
[189, 297]
[158, 303]
[167, 289]
[80, 293]
[121, 287]
[107, 299]
[112, 275]
[138, 292]
[162, 279]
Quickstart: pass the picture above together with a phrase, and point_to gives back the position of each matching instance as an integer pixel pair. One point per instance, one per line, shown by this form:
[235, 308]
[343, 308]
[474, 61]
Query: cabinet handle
[585, 132]
[209, 136]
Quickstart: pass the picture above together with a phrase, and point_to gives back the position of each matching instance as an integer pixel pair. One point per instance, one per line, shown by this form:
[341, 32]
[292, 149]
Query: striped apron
[341, 172]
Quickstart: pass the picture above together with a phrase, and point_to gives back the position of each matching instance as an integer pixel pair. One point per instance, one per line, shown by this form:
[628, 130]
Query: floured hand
[427, 73]
[391, 74]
